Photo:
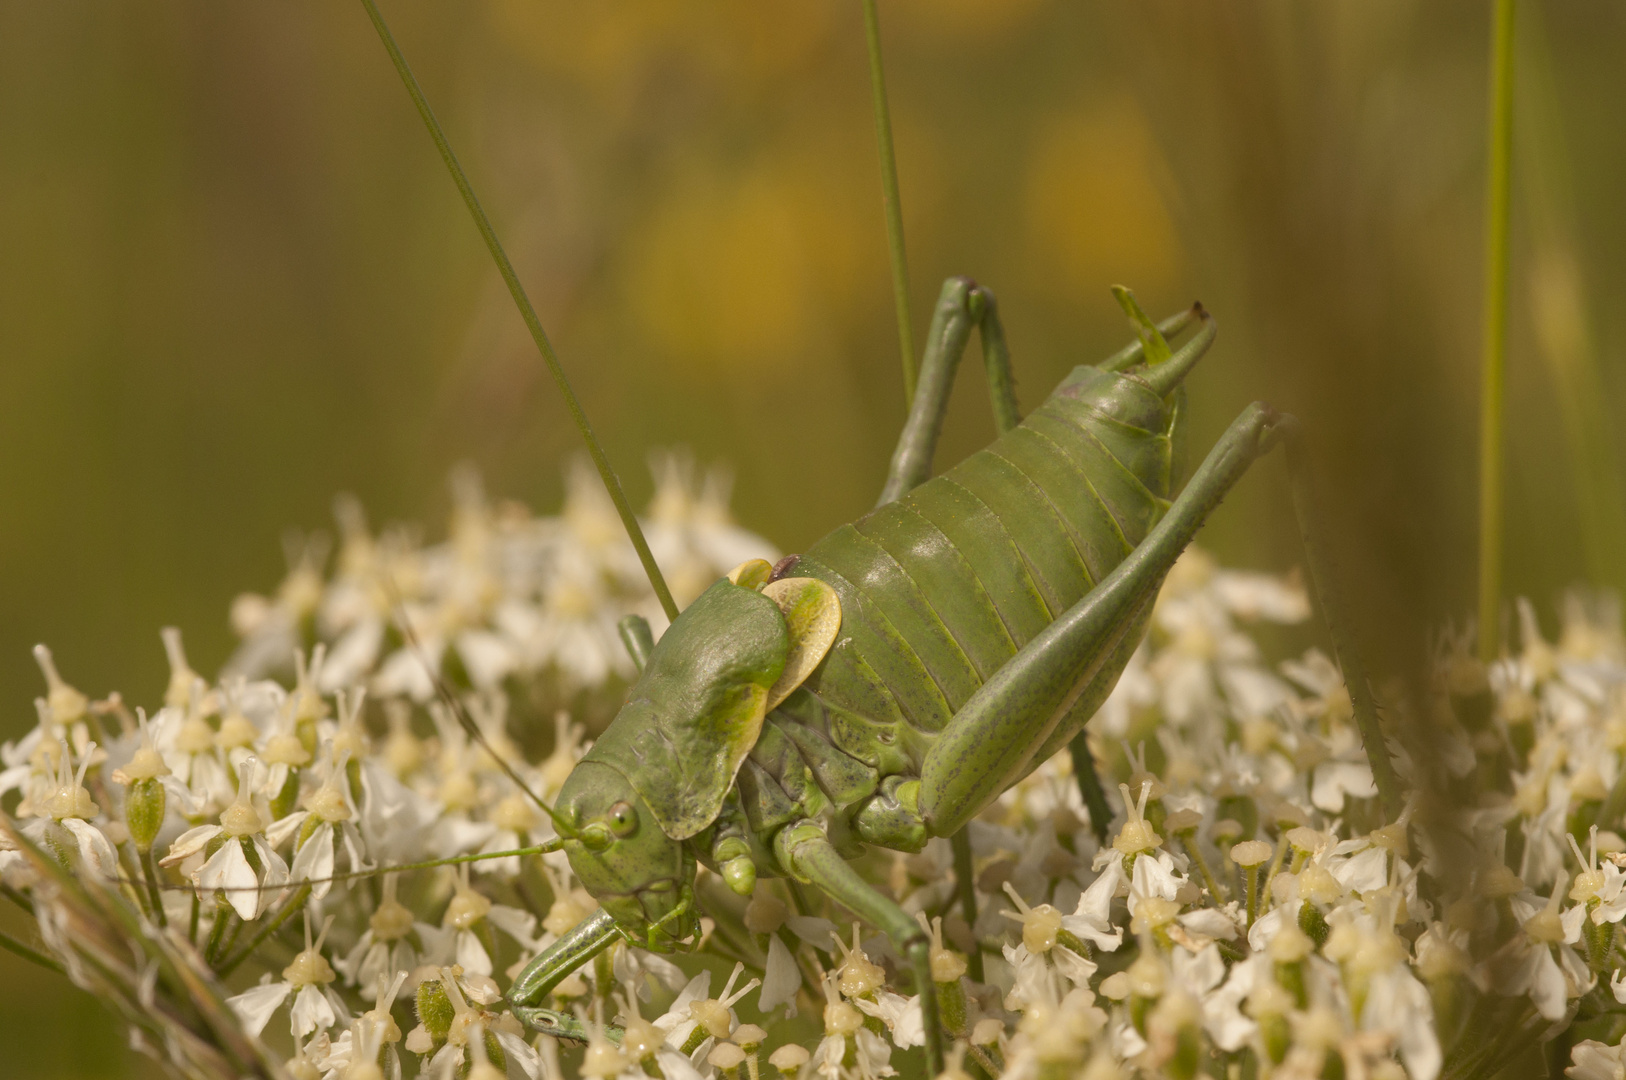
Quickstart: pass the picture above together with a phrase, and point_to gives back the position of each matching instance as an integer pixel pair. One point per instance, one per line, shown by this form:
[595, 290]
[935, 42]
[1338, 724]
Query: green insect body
[893, 680]
[887, 684]
[926, 656]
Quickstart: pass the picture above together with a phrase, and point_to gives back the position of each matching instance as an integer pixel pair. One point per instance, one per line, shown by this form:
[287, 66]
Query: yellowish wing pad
[751, 574]
[813, 616]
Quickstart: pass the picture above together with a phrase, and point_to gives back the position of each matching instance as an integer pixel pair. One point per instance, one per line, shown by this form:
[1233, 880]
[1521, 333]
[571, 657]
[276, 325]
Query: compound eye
[623, 819]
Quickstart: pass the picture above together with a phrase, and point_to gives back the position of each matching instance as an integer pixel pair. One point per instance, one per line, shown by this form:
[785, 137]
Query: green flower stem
[1493, 367]
[966, 893]
[155, 895]
[1275, 867]
[217, 931]
[1193, 849]
[34, 956]
[288, 910]
[17, 898]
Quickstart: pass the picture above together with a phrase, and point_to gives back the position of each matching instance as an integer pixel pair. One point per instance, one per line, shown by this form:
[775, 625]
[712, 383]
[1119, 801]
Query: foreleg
[590, 937]
[1335, 612]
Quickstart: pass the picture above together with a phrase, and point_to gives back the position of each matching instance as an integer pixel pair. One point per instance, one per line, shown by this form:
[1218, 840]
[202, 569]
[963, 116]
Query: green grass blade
[527, 312]
[1493, 369]
[890, 201]
[1561, 310]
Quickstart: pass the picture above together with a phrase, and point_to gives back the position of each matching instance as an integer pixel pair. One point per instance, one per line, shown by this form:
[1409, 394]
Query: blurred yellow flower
[744, 271]
[1094, 205]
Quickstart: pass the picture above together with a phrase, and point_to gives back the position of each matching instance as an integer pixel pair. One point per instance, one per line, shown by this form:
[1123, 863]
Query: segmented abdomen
[940, 588]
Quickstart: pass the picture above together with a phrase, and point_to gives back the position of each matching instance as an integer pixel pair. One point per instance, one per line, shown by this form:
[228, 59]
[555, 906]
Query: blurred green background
[234, 280]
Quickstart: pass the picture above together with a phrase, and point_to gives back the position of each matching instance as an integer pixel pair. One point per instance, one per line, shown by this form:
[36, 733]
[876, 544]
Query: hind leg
[995, 737]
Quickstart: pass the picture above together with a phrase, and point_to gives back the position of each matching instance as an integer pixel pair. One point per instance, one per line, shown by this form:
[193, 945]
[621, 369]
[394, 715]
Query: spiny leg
[810, 857]
[1089, 786]
[965, 888]
[994, 737]
[961, 306]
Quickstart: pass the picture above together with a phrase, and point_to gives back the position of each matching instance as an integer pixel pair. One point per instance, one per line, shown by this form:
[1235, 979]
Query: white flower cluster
[1244, 906]
[508, 595]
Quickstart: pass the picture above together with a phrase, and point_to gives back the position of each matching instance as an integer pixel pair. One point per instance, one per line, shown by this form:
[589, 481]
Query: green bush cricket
[887, 684]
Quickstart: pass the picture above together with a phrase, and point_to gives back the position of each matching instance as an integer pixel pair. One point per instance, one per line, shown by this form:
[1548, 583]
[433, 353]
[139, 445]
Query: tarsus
[527, 312]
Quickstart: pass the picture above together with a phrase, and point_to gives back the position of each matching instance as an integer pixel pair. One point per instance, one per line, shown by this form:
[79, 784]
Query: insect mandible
[888, 683]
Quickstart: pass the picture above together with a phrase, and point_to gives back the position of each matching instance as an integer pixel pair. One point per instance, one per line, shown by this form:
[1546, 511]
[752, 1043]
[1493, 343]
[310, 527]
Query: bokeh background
[234, 280]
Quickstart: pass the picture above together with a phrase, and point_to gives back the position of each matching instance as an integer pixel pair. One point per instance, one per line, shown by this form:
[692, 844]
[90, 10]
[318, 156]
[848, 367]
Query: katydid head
[640, 875]
[660, 773]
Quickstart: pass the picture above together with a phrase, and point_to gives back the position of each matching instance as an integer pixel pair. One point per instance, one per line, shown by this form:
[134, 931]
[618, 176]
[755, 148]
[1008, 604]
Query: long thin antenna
[890, 201]
[527, 312]
[1494, 360]
[556, 844]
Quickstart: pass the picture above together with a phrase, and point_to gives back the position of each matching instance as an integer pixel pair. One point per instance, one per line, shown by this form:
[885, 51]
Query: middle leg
[962, 306]
[810, 857]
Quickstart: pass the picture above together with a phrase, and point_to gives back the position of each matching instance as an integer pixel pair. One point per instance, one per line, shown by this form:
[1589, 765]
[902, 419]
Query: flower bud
[727, 1058]
[435, 1011]
[1250, 853]
[144, 811]
[789, 1058]
[841, 1018]
[947, 965]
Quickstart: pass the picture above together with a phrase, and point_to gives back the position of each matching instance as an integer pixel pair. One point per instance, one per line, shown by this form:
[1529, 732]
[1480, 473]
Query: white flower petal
[471, 954]
[311, 1011]
[523, 1055]
[781, 979]
[280, 831]
[1337, 780]
[1364, 872]
[517, 924]
[228, 869]
[276, 871]
[1594, 1060]
[1571, 921]
[314, 861]
[1210, 922]
[811, 929]
[255, 1006]
[1201, 973]
[1398, 1003]
[674, 1066]
[94, 848]
[189, 843]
